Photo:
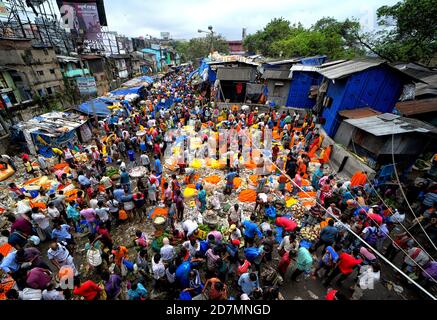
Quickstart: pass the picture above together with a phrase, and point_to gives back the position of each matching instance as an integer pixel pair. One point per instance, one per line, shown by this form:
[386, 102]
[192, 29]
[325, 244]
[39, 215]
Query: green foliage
[414, 36]
[327, 36]
[198, 48]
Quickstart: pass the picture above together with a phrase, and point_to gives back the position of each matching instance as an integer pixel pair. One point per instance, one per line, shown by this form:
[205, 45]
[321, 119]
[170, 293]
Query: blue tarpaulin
[125, 91]
[100, 107]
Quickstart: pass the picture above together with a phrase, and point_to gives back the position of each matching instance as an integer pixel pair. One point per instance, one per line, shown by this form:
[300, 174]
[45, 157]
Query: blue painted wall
[378, 88]
[300, 87]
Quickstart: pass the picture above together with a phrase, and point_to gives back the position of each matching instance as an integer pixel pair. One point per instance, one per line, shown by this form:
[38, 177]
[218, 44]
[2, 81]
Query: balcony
[76, 73]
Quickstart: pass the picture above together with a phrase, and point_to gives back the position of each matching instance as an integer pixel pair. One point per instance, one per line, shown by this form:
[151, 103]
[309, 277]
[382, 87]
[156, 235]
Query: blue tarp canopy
[125, 91]
[100, 106]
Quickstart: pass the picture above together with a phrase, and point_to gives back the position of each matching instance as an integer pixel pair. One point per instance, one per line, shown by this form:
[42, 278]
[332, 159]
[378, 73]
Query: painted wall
[300, 86]
[378, 88]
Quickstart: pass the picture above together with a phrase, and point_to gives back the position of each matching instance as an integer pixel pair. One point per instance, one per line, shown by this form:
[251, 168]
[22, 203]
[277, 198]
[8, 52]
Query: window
[46, 52]
[40, 73]
[12, 97]
[41, 92]
[52, 71]
[49, 90]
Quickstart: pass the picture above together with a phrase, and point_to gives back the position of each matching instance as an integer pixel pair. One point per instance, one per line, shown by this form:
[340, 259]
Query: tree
[198, 48]
[327, 36]
[413, 36]
[262, 41]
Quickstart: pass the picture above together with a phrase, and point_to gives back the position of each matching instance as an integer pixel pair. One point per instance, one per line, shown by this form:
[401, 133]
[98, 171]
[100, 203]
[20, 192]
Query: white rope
[402, 190]
[380, 198]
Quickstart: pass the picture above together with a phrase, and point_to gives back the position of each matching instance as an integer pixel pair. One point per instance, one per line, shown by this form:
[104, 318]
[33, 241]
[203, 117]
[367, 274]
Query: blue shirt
[9, 264]
[328, 234]
[140, 292]
[332, 254]
[84, 180]
[118, 194]
[62, 234]
[72, 212]
[251, 229]
[158, 167]
[230, 178]
[247, 285]
[124, 178]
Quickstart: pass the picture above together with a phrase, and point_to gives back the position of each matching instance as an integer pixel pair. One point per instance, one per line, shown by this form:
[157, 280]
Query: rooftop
[409, 108]
[358, 113]
[52, 124]
[388, 124]
[275, 74]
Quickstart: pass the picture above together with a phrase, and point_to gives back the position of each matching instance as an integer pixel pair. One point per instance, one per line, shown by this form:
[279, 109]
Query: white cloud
[182, 18]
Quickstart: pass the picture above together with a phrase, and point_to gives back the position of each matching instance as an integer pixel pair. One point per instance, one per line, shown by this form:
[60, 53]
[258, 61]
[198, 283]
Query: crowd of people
[42, 245]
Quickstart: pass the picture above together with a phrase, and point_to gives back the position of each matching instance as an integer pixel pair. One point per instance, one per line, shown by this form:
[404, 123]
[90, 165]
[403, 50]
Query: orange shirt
[120, 254]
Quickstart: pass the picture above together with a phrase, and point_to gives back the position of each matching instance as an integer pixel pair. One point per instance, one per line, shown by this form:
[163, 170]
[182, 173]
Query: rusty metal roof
[408, 108]
[358, 113]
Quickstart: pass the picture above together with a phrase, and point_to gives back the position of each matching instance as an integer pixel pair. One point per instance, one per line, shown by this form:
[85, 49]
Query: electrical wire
[380, 198]
[403, 193]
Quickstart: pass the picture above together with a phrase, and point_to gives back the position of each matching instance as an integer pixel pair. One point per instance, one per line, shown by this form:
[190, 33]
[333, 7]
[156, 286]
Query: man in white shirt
[145, 161]
[158, 270]
[102, 212]
[193, 246]
[60, 256]
[42, 221]
[167, 251]
[52, 211]
[189, 227]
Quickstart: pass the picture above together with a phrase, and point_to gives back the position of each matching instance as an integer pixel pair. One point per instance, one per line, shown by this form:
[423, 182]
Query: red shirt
[346, 263]
[88, 290]
[287, 224]
[331, 295]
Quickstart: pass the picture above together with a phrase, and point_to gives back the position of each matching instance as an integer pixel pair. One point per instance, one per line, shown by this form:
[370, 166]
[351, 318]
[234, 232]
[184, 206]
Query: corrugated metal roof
[358, 113]
[428, 88]
[409, 108]
[236, 74]
[306, 68]
[348, 67]
[275, 74]
[379, 126]
[275, 63]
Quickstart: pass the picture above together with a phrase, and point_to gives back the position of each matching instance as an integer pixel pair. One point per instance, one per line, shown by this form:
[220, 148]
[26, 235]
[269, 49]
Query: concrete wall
[21, 56]
[339, 153]
[280, 95]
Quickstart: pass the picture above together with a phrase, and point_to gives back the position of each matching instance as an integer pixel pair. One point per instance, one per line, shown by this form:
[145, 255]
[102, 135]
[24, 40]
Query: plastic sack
[271, 212]
[185, 295]
[190, 192]
[128, 264]
[94, 257]
[196, 164]
[290, 202]
[251, 253]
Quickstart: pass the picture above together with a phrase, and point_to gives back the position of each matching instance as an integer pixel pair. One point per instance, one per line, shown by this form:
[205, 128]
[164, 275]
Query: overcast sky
[182, 18]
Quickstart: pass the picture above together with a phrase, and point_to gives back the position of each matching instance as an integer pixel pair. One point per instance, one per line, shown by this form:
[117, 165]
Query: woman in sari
[314, 146]
[326, 154]
[317, 175]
